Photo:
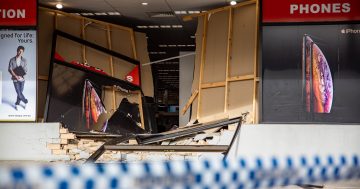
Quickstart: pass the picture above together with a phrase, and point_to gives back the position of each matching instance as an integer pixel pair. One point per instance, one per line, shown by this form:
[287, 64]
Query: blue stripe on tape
[114, 183]
[289, 162]
[18, 174]
[63, 184]
[343, 160]
[355, 160]
[243, 163]
[124, 167]
[225, 164]
[147, 167]
[47, 171]
[206, 164]
[303, 161]
[259, 163]
[100, 167]
[274, 162]
[89, 184]
[74, 170]
[188, 166]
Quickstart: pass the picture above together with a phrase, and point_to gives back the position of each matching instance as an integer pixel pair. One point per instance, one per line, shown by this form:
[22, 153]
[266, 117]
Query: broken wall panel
[216, 43]
[195, 85]
[147, 83]
[243, 45]
[227, 63]
[118, 38]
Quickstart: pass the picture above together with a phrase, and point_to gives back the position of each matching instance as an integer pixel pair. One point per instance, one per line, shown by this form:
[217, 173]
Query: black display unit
[75, 93]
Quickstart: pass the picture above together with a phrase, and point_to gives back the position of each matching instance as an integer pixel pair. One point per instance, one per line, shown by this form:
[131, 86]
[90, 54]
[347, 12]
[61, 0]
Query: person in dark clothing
[18, 69]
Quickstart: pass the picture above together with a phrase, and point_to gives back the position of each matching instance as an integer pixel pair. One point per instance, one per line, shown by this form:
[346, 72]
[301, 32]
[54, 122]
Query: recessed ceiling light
[144, 3]
[177, 26]
[87, 14]
[59, 6]
[165, 26]
[180, 12]
[100, 13]
[113, 13]
[233, 2]
[193, 12]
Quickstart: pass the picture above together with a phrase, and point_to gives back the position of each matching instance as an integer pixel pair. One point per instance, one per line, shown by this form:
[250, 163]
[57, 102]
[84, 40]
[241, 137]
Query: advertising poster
[311, 73]
[18, 75]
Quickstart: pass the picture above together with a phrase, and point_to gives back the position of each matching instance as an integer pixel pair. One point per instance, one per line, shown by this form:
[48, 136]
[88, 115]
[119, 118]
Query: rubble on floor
[78, 150]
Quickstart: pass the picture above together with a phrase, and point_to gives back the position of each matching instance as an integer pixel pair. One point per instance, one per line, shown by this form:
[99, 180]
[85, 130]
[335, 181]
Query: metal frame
[153, 138]
[58, 33]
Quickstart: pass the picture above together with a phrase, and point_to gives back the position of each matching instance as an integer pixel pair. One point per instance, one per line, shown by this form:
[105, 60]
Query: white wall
[295, 140]
[186, 69]
[27, 141]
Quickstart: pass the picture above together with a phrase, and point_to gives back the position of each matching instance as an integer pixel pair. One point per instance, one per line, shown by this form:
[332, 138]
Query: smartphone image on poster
[317, 81]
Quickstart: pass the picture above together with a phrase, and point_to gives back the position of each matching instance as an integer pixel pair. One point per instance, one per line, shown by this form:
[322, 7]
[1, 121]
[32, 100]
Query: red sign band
[310, 10]
[18, 12]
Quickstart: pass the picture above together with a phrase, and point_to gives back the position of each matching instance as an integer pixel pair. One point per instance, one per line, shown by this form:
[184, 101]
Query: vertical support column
[255, 99]
[228, 52]
[202, 62]
[132, 34]
[108, 35]
[83, 53]
[55, 21]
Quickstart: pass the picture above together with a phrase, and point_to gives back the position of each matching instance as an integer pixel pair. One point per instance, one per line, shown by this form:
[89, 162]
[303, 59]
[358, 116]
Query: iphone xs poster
[311, 73]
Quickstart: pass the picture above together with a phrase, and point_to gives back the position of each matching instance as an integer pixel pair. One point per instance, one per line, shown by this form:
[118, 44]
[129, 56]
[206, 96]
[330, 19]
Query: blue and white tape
[240, 173]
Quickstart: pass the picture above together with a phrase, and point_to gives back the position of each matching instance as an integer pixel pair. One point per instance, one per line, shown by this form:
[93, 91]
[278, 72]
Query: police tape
[211, 173]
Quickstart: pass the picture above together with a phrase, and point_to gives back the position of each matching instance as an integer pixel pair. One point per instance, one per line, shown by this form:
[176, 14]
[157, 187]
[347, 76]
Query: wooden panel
[241, 97]
[190, 101]
[108, 99]
[46, 26]
[147, 83]
[241, 78]
[98, 59]
[121, 68]
[212, 101]
[69, 25]
[121, 42]
[213, 85]
[242, 53]
[216, 45]
[97, 34]
[69, 50]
